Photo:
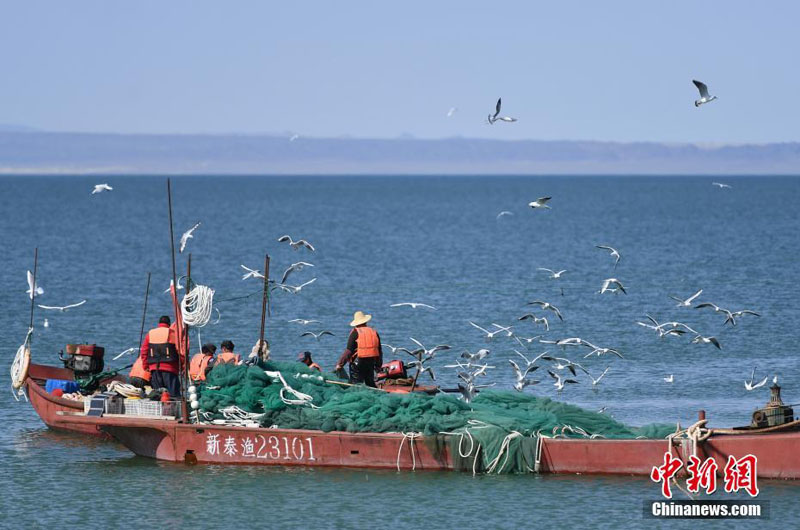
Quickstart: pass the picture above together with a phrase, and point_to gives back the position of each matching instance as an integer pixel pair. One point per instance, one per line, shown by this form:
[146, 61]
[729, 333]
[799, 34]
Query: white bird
[46, 324]
[720, 185]
[477, 356]
[99, 188]
[600, 351]
[166, 291]
[62, 308]
[527, 340]
[706, 340]
[541, 202]
[429, 353]
[31, 289]
[495, 117]
[729, 318]
[126, 352]
[595, 382]
[503, 214]
[704, 97]
[529, 362]
[553, 274]
[294, 289]
[775, 380]
[521, 376]
[548, 307]
[251, 273]
[613, 252]
[413, 305]
[187, 236]
[294, 137]
[670, 379]
[748, 385]
[608, 289]
[316, 335]
[489, 334]
[560, 382]
[688, 301]
[536, 320]
[659, 328]
[303, 321]
[739, 314]
[300, 265]
[452, 111]
[507, 329]
[296, 244]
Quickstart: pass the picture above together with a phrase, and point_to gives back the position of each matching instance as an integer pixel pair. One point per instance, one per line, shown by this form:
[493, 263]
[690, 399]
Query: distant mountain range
[25, 151]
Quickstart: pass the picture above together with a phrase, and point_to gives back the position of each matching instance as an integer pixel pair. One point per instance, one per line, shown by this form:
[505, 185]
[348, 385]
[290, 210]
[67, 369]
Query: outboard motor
[392, 370]
[83, 359]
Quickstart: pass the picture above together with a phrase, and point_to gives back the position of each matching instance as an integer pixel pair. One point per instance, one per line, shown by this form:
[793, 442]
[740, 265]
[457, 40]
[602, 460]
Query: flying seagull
[704, 97]
[608, 289]
[294, 137]
[251, 273]
[294, 289]
[553, 274]
[100, 188]
[503, 214]
[489, 334]
[748, 385]
[300, 265]
[536, 320]
[187, 236]
[477, 356]
[296, 244]
[729, 318]
[595, 382]
[547, 306]
[316, 335]
[720, 185]
[413, 305]
[521, 376]
[166, 291]
[559, 384]
[541, 202]
[613, 252]
[452, 111]
[688, 301]
[31, 289]
[62, 308]
[303, 321]
[706, 340]
[496, 117]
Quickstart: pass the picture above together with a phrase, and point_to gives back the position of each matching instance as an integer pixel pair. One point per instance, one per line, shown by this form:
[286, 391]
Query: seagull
[706, 340]
[31, 289]
[300, 265]
[688, 301]
[600, 351]
[704, 97]
[489, 334]
[413, 305]
[595, 382]
[452, 111]
[675, 324]
[720, 185]
[62, 308]
[536, 320]
[506, 329]
[477, 356]
[521, 376]
[559, 384]
[541, 202]
[126, 352]
[166, 291]
[503, 214]
[528, 362]
[469, 391]
[739, 314]
[613, 252]
[46, 323]
[547, 306]
[528, 340]
[303, 321]
[717, 309]
[296, 244]
[429, 353]
[670, 379]
[294, 289]
[608, 282]
[294, 137]
[560, 363]
[660, 330]
[187, 236]
[251, 273]
[100, 188]
[553, 274]
[316, 335]
[495, 117]
[748, 385]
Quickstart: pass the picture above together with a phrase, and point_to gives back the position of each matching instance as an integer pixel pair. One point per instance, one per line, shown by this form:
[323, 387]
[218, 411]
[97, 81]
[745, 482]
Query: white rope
[124, 389]
[410, 436]
[19, 367]
[196, 306]
[539, 449]
[300, 398]
[503, 451]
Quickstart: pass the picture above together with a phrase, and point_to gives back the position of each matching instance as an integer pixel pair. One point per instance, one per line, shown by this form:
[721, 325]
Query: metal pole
[264, 303]
[175, 287]
[144, 310]
[33, 287]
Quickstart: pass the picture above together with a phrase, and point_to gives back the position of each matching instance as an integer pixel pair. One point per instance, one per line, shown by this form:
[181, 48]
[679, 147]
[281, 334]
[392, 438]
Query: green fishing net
[486, 422]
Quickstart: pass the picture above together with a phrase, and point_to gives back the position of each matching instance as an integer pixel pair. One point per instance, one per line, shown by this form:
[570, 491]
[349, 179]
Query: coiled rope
[19, 367]
[300, 397]
[196, 306]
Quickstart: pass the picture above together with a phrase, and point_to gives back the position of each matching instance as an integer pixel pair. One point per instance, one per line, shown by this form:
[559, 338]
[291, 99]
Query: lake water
[380, 241]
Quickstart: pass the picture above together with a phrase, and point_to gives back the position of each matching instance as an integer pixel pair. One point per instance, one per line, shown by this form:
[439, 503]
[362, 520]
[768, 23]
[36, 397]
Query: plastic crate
[146, 407]
[113, 406]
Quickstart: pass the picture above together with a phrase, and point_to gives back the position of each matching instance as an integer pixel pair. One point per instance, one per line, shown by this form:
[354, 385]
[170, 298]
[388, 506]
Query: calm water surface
[386, 240]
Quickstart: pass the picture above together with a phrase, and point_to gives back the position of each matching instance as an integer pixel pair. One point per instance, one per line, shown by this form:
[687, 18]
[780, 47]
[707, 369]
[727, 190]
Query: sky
[610, 71]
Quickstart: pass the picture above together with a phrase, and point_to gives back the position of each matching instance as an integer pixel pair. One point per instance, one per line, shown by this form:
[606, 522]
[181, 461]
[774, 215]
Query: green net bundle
[488, 419]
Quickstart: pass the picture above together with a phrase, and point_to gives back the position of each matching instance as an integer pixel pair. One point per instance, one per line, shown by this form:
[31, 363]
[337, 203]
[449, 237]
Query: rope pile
[196, 306]
[19, 368]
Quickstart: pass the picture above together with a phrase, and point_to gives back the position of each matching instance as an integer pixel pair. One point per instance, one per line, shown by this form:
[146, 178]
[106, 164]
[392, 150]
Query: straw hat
[360, 318]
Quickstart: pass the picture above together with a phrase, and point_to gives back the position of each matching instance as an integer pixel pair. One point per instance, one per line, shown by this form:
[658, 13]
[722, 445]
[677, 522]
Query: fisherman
[363, 351]
[227, 355]
[202, 362]
[305, 358]
[159, 356]
[139, 377]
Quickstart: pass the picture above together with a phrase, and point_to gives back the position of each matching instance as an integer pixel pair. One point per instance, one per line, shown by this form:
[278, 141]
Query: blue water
[393, 239]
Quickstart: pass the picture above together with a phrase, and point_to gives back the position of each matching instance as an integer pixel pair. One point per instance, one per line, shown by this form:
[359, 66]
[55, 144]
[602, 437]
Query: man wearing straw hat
[363, 351]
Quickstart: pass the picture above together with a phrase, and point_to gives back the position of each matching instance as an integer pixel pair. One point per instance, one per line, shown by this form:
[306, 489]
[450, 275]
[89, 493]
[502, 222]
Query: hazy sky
[568, 70]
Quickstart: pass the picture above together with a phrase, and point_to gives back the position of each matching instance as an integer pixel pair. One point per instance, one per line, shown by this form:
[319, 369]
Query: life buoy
[19, 368]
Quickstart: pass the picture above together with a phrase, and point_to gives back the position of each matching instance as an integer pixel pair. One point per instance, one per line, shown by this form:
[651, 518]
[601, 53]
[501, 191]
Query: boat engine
[392, 370]
[775, 413]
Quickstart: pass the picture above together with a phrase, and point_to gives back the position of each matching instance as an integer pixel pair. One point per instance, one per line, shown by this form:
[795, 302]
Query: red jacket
[164, 367]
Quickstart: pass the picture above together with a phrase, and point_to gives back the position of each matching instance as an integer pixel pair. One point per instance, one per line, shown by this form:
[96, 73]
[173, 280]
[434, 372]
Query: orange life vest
[228, 357]
[315, 366]
[197, 368]
[367, 342]
[137, 370]
[163, 347]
